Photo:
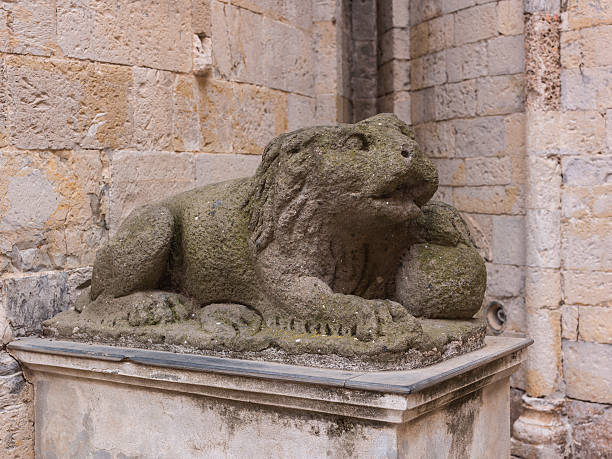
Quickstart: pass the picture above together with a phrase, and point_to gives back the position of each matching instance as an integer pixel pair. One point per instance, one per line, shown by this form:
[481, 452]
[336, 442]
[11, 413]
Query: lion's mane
[276, 187]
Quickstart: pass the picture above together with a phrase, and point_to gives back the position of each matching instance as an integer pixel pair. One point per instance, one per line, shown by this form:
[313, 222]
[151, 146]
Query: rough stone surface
[595, 324]
[445, 276]
[127, 32]
[591, 428]
[53, 212]
[83, 108]
[244, 251]
[588, 374]
[16, 410]
[138, 177]
[27, 27]
[213, 168]
[32, 299]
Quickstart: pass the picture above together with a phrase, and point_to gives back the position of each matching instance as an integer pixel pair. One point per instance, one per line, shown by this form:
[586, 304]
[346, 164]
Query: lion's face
[373, 168]
[369, 172]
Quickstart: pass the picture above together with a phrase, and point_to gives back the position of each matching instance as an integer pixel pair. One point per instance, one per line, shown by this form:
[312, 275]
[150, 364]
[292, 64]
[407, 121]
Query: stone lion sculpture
[331, 248]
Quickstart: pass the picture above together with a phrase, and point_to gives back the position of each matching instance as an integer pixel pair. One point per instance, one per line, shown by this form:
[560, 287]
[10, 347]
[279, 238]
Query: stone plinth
[102, 401]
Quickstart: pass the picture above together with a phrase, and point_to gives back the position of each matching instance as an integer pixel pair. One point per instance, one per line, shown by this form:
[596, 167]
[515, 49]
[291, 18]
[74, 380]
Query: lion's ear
[406, 130]
[297, 141]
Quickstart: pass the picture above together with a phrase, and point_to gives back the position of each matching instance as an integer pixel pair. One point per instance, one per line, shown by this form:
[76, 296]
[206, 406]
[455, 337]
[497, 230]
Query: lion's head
[371, 172]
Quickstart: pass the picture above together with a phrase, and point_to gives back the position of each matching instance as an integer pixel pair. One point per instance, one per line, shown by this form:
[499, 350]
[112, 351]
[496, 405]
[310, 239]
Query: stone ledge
[387, 396]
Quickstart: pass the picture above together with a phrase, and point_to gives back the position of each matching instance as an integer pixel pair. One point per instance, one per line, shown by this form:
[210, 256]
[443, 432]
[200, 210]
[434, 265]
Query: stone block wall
[467, 64]
[511, 100]
[107, 105]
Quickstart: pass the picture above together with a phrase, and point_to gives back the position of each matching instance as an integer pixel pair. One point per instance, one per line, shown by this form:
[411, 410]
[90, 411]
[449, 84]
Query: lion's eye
[356, 142]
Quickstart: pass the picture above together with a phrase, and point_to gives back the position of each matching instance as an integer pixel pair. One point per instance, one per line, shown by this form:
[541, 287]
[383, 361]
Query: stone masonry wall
[107, 105]
[467, 95]
[568, 402]
[533, 182]
[586, 220]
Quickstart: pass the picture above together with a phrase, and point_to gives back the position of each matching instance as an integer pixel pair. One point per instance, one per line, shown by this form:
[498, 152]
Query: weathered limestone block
[587, 287]
[451, 172]
[187, 135]
[584, 48]
[483, 136]
[258, 113]
[237, 38]
[152, 109]
[569, 322]
[27, 27]
[141, 176]
[213, 168]
[495, 199]
[240, 118]
[214, 104]
[300, 112]
[508, 242]
[293, 72]
[429, 70]
[53, 208]
[506, 55]
[16, 410]
[510, 19]
[59, 104]
[32, 299]
[587, 371]
[302, 258]
[395, 44]
[455, 100]
[498, 95]
[436, 139]
[467, 61]
[153, 34]
[587, 245]
[44, 102]
[586, 88]
[588, 14]
[595, 324]
[475, 24]
[200, 17]
[587, 201]
[488, 171]
[591, 427]
[105, 112]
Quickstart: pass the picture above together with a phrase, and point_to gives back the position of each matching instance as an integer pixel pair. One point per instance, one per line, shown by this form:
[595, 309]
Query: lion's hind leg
[136, 257]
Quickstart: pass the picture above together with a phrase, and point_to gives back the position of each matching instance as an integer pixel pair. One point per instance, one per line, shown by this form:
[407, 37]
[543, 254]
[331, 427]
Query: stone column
[540, 431]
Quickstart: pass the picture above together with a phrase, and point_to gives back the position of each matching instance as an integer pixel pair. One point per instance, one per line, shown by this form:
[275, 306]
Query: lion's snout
[407, 151]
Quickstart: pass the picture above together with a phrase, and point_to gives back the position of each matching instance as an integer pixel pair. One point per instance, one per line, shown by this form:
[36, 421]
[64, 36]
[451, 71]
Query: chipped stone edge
[386, 396]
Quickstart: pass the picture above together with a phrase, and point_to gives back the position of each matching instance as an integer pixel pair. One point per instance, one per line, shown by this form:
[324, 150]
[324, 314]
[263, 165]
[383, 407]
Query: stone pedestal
[110, 402]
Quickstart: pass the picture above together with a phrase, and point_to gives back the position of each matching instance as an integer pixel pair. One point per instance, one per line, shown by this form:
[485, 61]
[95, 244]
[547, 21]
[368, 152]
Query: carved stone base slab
[102, 401]
[166, 321]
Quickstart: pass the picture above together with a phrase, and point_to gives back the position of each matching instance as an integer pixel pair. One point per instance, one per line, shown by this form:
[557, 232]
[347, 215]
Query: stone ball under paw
[441, 282]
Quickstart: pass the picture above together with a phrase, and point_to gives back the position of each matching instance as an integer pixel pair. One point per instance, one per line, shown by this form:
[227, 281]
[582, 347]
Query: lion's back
[210, 254]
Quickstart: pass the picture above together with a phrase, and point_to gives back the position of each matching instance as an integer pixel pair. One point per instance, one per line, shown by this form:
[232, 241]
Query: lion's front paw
[395, 326]
[387, 321]
[229, 320]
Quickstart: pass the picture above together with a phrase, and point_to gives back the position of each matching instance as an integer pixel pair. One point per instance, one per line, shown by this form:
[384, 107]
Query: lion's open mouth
[398, 202]
[401, 193]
